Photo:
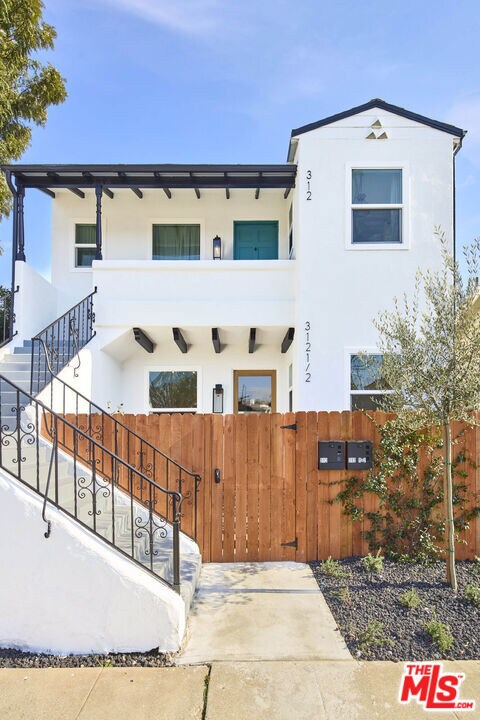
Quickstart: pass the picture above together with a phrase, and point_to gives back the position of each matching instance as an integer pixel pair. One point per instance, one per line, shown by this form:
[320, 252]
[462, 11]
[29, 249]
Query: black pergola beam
[257, 191]
[286, 193]
[167, 193]
[143, 340]
[48, 192]
[216, 340]
[288, 339]
[75, 190]
[133, 186]
[108, 193]
[194, 185]
[137, 192]
[205, 182]
[180, 340]
[227, 188]
[251, 340]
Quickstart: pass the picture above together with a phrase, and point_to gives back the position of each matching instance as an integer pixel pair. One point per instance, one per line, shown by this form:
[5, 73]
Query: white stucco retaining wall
[72, 593]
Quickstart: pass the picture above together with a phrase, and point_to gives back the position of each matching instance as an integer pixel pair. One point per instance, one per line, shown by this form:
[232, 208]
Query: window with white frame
[367, 386]
[377, 206]
[85, 244]
[173, 390]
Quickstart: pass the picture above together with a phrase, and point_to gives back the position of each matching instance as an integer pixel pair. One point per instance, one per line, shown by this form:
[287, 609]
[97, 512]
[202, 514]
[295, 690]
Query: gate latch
[289, 427]
[293, 544]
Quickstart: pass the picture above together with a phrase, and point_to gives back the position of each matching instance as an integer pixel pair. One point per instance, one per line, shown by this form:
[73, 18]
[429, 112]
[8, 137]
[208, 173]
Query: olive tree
[431, 357]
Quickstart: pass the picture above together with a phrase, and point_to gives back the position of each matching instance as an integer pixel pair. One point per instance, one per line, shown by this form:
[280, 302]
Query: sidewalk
[320, 690]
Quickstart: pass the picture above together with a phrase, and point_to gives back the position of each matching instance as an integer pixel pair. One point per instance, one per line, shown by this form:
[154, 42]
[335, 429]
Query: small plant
[342, 594]
[104, 662]
[332, 568]
[373, 563]
[440, 633]
[410, 599]
[373, 635]
[476, 565]
[472, 594]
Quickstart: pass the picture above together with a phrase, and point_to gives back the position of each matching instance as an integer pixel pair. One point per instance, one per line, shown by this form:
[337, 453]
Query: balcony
[197, 293]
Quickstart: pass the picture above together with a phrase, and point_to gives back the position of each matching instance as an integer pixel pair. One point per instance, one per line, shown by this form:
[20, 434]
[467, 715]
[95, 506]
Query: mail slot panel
[331, 455]
[359, 455]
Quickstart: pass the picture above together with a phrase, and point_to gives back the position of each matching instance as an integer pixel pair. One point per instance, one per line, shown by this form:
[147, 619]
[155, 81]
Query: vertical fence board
[334, 509]
[301, 487]
[228, 481]
[312, 487]
[217, 489]
[288, 513]
[241, 488]
[252, 487]
[264, 486]
[276, 485]
[323, 514]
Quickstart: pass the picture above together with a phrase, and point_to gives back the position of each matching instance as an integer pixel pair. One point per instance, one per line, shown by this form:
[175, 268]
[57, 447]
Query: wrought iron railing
[58, 343]
[111, 433]
[90, 483]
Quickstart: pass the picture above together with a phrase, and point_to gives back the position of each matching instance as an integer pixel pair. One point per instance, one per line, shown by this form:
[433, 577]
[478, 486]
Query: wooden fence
[272, 502]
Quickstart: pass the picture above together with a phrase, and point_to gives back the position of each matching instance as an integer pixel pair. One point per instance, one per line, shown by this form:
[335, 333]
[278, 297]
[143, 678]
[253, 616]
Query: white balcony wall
[209, 292]
[127, 224]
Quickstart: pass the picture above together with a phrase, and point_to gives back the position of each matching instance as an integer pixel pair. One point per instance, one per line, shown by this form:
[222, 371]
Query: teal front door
[255, 240]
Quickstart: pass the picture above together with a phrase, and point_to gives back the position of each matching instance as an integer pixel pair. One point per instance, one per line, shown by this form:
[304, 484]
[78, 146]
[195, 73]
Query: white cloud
[196, 17]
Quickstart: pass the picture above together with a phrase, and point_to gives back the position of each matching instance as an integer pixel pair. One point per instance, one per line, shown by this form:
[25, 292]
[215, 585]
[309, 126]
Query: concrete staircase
[96, 503]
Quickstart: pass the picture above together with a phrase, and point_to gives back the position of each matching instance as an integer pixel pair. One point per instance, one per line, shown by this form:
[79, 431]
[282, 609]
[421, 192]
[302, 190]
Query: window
[377, 206]
[176, 242]
[85, 244]
[254, 391]
[173, 390]
[367, 386]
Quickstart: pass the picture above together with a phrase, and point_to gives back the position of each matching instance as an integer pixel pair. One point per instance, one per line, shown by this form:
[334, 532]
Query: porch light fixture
[217, 399]
[217, 248]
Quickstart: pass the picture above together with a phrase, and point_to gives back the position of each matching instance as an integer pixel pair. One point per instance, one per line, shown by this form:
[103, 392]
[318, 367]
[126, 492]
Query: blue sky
[226, 80]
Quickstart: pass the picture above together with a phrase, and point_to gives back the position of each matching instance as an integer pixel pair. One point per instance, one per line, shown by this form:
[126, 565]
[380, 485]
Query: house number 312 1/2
[308, 352]
[309, 190]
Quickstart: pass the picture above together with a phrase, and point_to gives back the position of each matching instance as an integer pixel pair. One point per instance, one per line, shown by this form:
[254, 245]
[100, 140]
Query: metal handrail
[63, 332]
[31, 434]
[189, 495]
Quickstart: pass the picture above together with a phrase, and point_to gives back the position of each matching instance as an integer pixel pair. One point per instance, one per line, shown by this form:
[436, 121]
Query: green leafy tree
[27, 87]
[431, 349]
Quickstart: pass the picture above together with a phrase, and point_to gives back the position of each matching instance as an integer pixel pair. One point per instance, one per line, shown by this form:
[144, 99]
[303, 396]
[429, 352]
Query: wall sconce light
[218, 399]
[217, 248]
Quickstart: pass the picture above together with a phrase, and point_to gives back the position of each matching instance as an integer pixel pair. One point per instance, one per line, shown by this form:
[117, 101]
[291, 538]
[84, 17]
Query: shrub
[342, 594]
[472, 594]
[373, 563]
[373, 635]
[410, 599]
[333, 568]
[440, 633]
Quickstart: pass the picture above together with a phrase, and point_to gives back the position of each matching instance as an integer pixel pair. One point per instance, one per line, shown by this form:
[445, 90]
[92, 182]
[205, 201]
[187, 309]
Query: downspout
[13, 190]
[458, 147]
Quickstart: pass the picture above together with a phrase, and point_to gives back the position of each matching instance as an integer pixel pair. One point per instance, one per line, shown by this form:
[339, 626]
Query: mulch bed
[403, 637]
[11, 658]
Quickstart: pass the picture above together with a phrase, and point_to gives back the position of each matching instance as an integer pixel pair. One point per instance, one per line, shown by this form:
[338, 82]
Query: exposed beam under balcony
[180, 340]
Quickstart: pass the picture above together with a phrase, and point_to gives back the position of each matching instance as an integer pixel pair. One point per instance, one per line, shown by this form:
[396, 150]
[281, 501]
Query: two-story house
[240, 288]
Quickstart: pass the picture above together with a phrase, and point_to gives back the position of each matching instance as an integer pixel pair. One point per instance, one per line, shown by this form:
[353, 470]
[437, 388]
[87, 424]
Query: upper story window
[176, 242]
[377, 205]
[85, 244]
[367, 385]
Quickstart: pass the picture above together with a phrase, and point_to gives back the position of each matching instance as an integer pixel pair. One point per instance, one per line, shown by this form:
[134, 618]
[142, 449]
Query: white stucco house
[200, 288]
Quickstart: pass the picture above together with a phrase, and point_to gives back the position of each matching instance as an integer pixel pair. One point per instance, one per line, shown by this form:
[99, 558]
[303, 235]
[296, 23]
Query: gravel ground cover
[11, 658]
[375, 624]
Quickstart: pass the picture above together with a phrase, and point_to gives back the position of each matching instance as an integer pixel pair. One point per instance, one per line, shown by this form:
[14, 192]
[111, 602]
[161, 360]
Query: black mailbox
[331, 455]
[359, 455]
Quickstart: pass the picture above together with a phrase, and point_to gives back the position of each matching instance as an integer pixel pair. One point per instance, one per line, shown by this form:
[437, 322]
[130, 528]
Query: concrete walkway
[260, 611]
[321, 690]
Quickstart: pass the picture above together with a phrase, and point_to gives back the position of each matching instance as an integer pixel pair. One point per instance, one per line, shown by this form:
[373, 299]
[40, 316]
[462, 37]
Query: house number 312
[309, 190]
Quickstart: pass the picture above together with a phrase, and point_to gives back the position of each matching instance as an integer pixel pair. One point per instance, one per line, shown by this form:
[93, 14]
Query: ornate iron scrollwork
[92, 486]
